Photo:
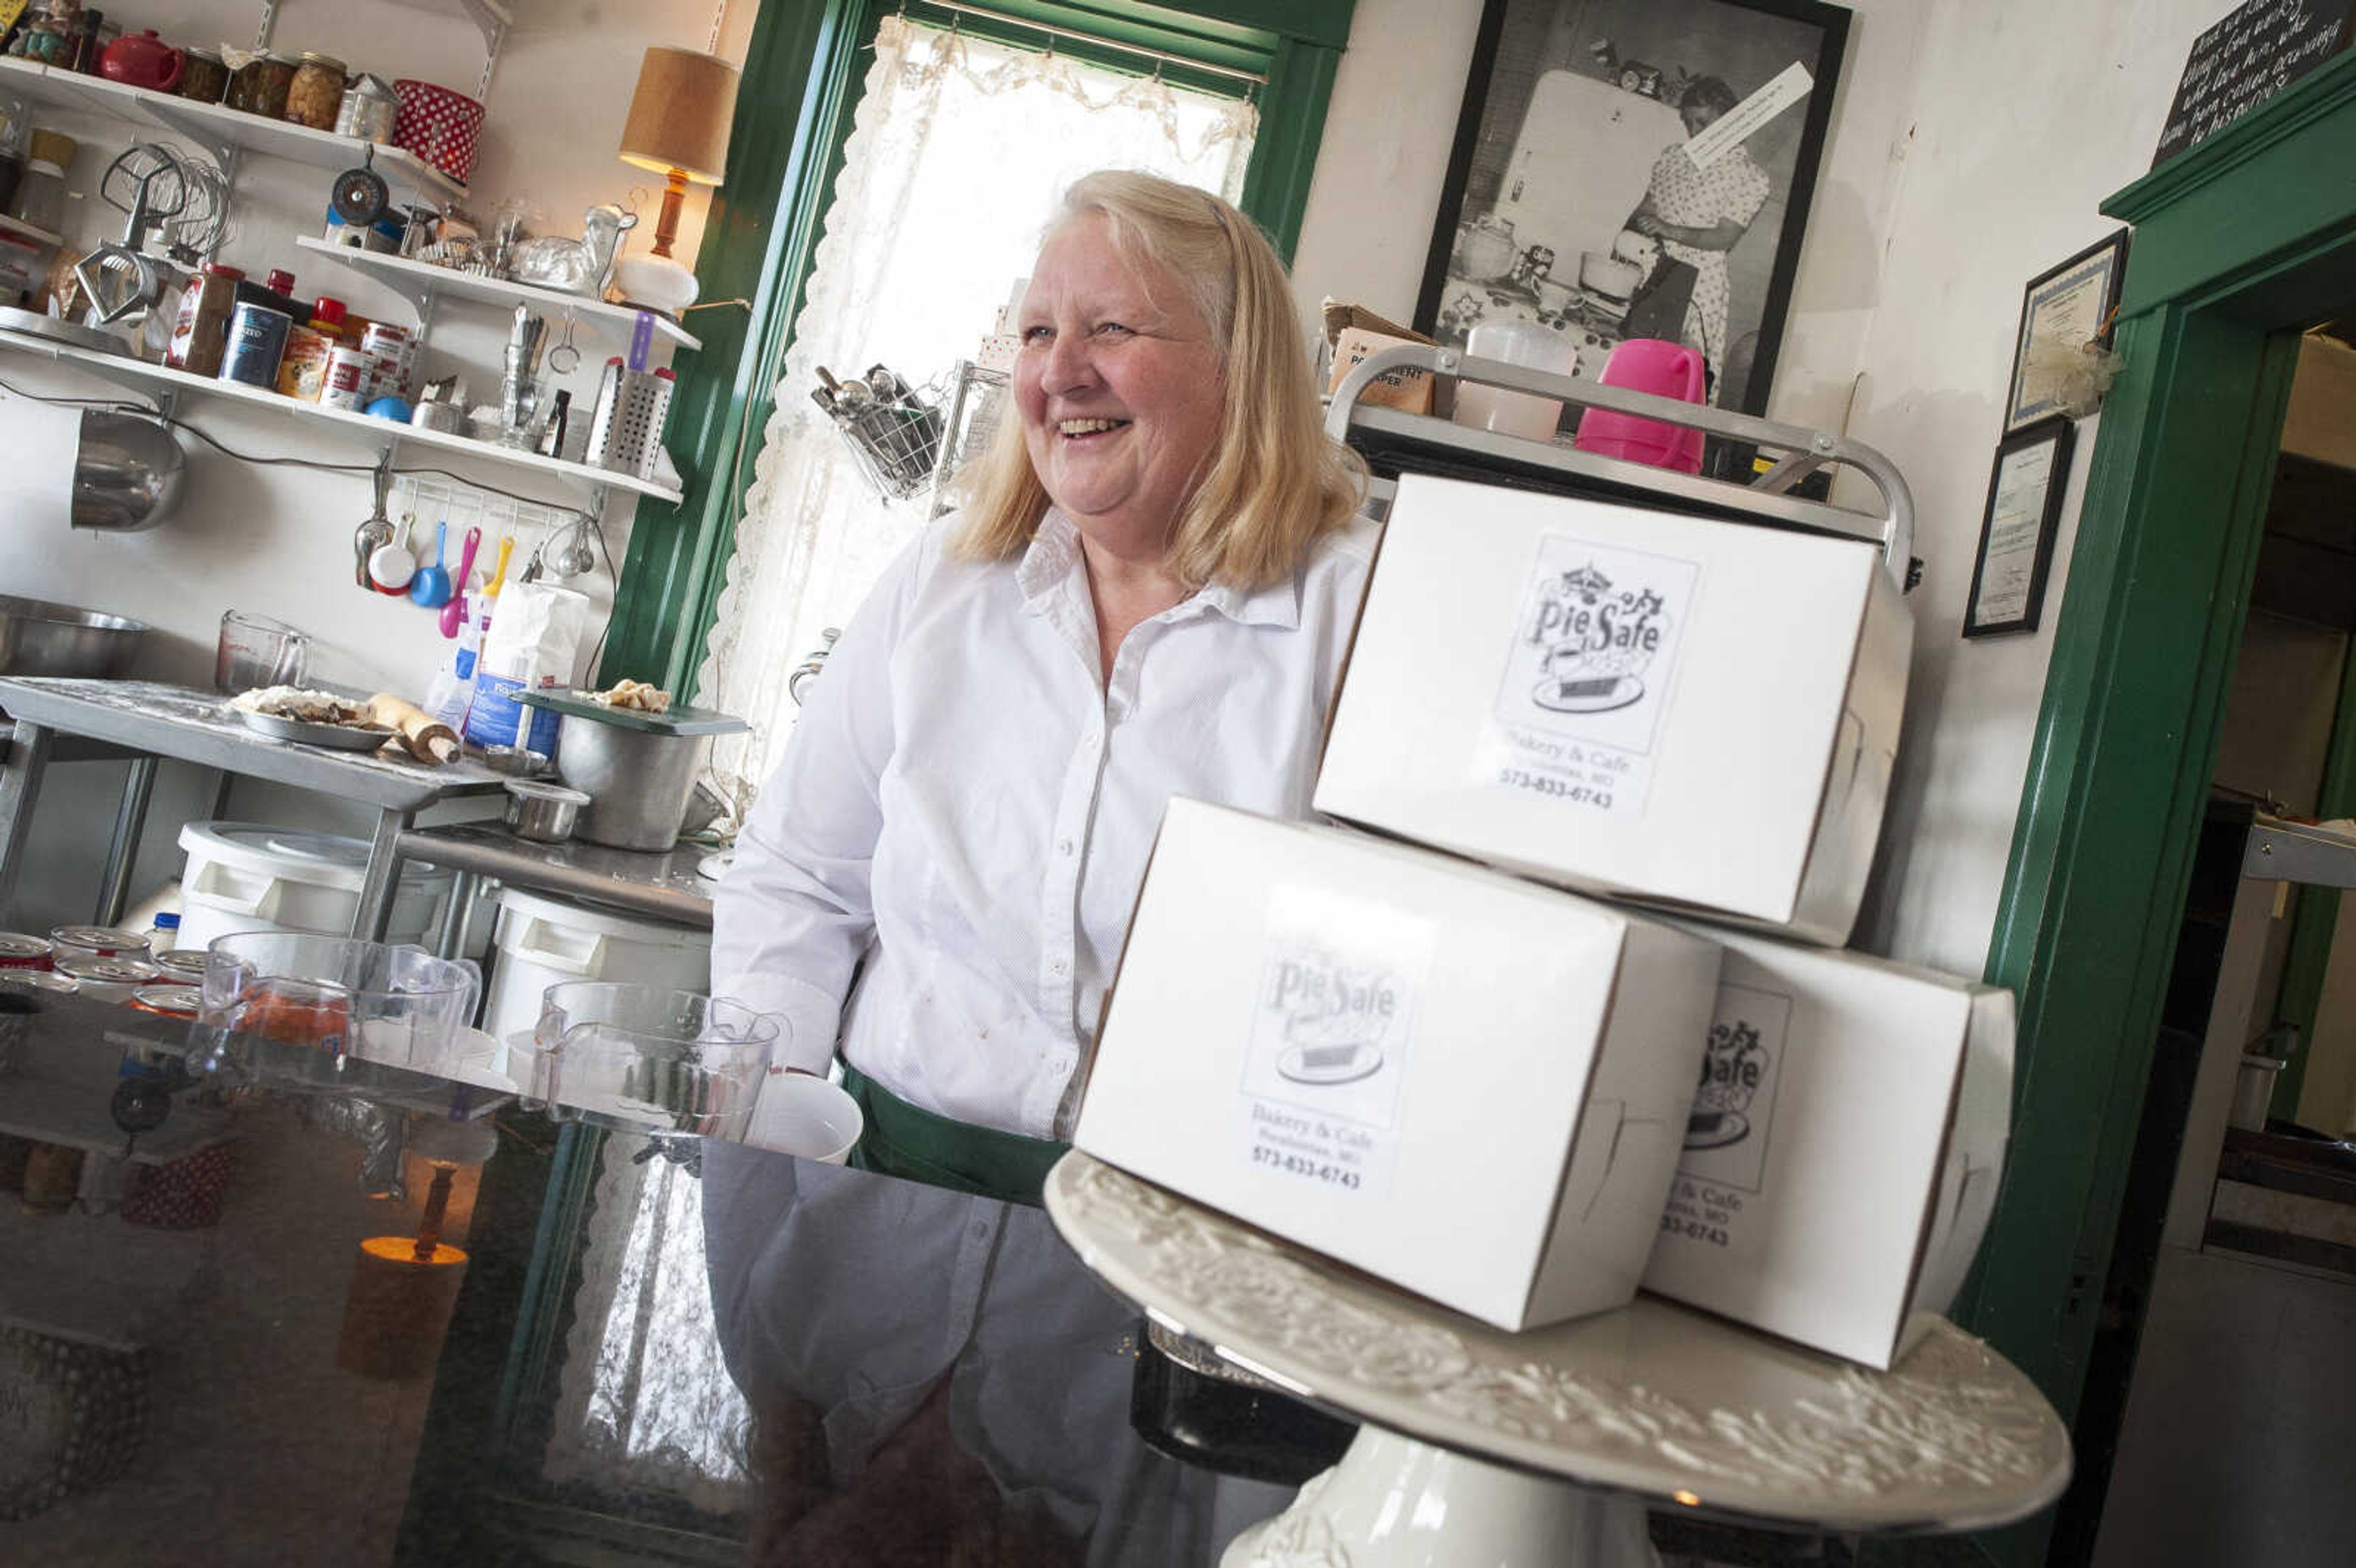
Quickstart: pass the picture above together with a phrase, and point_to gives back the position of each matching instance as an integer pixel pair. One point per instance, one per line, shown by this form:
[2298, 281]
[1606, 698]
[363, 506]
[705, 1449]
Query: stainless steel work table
[150, 720]
[663, 884]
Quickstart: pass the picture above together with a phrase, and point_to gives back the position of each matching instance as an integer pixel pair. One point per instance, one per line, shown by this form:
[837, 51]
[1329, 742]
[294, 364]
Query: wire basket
[894, 431]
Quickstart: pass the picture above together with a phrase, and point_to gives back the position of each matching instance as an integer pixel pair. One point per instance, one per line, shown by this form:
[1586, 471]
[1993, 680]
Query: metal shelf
[2312, 856]
[220, 130]
[422, 282]
[1766, 499]
[168, 384]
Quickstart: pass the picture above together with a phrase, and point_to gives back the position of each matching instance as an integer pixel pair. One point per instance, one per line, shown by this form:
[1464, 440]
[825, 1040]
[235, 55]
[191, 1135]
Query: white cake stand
[1542, 1450]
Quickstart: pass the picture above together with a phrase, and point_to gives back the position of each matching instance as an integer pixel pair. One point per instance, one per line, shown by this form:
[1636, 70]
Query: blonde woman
[1148, 593]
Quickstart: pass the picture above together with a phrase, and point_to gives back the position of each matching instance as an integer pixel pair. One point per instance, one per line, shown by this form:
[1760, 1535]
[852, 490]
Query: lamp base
[656, 282]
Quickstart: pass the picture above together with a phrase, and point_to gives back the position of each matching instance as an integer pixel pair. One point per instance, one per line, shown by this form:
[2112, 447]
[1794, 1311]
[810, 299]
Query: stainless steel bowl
[128, 474]
[543, 813]
[37, 637]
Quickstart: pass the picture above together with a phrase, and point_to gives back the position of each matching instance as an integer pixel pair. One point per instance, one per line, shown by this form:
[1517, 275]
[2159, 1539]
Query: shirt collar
[1053, 555]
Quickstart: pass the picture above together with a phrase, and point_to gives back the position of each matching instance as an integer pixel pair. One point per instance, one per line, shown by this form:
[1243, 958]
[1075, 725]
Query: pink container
[439, 125]
[1666, 370]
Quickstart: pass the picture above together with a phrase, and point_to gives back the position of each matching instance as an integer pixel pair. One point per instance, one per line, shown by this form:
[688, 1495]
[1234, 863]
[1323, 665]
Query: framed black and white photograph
[1637, 168]
[2061, 310]
[2024, 507]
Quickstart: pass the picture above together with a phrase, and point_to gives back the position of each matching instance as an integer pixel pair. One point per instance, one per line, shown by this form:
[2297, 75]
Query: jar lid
[532, 789]
[311, 57]
[368, 86]
[279, 282]
[212, 55]
[223, 270]
[100, 938]
[331, 311]
[276, 60]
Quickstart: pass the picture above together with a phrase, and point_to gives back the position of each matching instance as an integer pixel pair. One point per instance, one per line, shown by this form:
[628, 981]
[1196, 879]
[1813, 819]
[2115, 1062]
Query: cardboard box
[1472, 1086]
[1698, 714]
[1842, 1157]
[1407, 390]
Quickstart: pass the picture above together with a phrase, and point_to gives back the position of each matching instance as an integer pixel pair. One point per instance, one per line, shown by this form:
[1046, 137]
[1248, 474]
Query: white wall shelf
[30, 231]
[161, 381]
[421, 283]
[221, 131]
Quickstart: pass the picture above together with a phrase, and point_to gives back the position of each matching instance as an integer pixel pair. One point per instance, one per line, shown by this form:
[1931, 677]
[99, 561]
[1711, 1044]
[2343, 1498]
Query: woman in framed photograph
[1698, 212]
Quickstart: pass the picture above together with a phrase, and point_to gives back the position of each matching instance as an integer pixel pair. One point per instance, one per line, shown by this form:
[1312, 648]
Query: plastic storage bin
[544, 941]
[248, 876]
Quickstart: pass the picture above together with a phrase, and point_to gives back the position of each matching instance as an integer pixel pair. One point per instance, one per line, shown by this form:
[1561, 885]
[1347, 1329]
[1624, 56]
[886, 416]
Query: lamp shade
[679, 114]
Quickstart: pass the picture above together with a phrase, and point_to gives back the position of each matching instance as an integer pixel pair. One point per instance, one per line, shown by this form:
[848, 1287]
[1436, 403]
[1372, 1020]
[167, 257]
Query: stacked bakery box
[1607, 782]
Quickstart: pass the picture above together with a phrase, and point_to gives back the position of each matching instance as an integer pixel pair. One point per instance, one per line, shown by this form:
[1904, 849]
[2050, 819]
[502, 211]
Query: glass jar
[316, 91]
[41, 196]
[204, 80]
[261, 85]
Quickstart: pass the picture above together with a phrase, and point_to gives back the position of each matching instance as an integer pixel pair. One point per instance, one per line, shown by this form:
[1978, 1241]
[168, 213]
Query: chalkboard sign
[2261, 49]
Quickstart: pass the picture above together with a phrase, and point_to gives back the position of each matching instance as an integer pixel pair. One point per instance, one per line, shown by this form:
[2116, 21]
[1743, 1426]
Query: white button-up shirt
[965, 791]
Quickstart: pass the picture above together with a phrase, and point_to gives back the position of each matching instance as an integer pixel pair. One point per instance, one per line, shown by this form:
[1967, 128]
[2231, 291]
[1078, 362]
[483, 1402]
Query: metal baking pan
[334, 737]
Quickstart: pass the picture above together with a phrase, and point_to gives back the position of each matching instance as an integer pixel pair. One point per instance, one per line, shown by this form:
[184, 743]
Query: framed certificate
[2016, 535]
[2060, 311]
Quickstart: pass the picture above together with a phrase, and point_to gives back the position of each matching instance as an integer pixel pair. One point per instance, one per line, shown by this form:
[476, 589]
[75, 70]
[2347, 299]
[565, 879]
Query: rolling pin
[425, 736]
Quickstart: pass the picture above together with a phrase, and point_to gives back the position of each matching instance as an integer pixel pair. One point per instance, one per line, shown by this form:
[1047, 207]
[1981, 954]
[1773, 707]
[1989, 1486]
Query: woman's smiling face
[1119, 387]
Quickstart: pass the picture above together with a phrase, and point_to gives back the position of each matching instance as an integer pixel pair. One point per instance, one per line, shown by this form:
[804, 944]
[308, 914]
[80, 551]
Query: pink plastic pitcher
[1647, 364]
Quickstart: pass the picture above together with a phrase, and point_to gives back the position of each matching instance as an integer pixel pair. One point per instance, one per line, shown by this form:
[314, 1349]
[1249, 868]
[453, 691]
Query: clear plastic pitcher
[293, 1006]
[644, 1059]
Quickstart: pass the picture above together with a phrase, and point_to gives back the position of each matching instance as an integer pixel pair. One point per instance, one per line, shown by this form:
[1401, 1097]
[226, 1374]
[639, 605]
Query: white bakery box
[1843, 1152]
[1699, 713]
[1472, 1086]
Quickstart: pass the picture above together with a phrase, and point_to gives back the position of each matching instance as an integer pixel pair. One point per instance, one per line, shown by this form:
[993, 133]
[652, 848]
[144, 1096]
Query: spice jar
[316, 92]
[261, 85]
[202, 329]
[204, 79]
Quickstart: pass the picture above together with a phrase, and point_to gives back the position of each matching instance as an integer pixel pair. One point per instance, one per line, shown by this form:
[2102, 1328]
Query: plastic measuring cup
[300, 1008]
[647, 1058]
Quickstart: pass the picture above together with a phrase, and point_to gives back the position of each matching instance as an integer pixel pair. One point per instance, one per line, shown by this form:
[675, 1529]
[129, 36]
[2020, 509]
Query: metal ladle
[374, 534]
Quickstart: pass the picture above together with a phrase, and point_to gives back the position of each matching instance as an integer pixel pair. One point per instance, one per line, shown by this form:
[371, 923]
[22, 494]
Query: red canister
[438, 125]
[18, 951]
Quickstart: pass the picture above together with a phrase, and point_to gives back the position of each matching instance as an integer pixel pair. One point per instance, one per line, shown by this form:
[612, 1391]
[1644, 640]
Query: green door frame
[793, 117]
[2239, 244]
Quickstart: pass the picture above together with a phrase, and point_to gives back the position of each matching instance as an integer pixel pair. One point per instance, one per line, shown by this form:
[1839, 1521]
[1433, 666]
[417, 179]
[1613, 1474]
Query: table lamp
[678, 128]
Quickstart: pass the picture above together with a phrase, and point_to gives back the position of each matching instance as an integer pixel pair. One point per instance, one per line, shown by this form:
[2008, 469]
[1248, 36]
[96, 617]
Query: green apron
[921, 1146]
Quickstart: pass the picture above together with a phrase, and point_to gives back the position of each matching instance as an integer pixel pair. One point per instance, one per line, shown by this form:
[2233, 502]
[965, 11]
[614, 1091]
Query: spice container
[316, 92]
[202, 329]
[19, 950]
[97, 942]
[368, 110]
[257, 337]
[347, 379]
[171, 1001]
[41, 188]
[204, 79]
[303, 368]
[261, 85]
[181, 966]
[107, 979]
[543, 813]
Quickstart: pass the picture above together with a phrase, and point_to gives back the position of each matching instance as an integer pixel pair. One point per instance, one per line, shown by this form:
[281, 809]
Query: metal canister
[172, 1001]
[346, 386]
[369, 110]
[184, 965]
[21, 951]
[96, 942]
[625, 431]
[257, 339]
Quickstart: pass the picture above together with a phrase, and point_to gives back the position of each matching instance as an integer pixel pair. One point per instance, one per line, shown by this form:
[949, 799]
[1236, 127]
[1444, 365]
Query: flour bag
[534, 639]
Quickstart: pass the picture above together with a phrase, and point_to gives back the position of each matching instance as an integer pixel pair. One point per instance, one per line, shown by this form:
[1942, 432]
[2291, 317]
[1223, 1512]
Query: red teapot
[143, 60]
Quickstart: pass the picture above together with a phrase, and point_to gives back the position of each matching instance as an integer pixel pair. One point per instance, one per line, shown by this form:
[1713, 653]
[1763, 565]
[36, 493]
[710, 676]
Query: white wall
[279, 541]
[1971, 142]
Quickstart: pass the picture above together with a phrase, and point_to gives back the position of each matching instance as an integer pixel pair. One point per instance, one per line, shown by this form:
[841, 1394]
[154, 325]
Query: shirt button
[1065, 848]
[1057, 967]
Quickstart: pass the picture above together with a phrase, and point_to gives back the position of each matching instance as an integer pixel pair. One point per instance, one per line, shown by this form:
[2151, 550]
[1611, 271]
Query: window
[961, 148]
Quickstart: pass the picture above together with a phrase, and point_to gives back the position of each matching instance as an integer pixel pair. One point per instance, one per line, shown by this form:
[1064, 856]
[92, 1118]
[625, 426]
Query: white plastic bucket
[543, 940]
[248, 876]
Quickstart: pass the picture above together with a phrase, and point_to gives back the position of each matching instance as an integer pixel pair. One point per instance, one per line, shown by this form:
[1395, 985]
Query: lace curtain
[958, 150]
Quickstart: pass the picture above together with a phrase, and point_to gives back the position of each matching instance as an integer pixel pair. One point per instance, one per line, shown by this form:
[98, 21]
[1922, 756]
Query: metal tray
[334, 737]
[678, 720]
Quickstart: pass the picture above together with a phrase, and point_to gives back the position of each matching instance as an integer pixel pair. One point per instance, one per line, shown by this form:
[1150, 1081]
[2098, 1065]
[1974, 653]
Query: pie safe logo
[1597, 639]
[1336, 1017]
[1734, 1064]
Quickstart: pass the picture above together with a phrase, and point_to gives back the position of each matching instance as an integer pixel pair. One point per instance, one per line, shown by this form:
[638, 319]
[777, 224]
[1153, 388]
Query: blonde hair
[1273, 483]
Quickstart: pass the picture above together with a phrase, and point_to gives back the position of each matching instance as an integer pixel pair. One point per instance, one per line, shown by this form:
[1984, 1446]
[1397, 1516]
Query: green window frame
[794, 114]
